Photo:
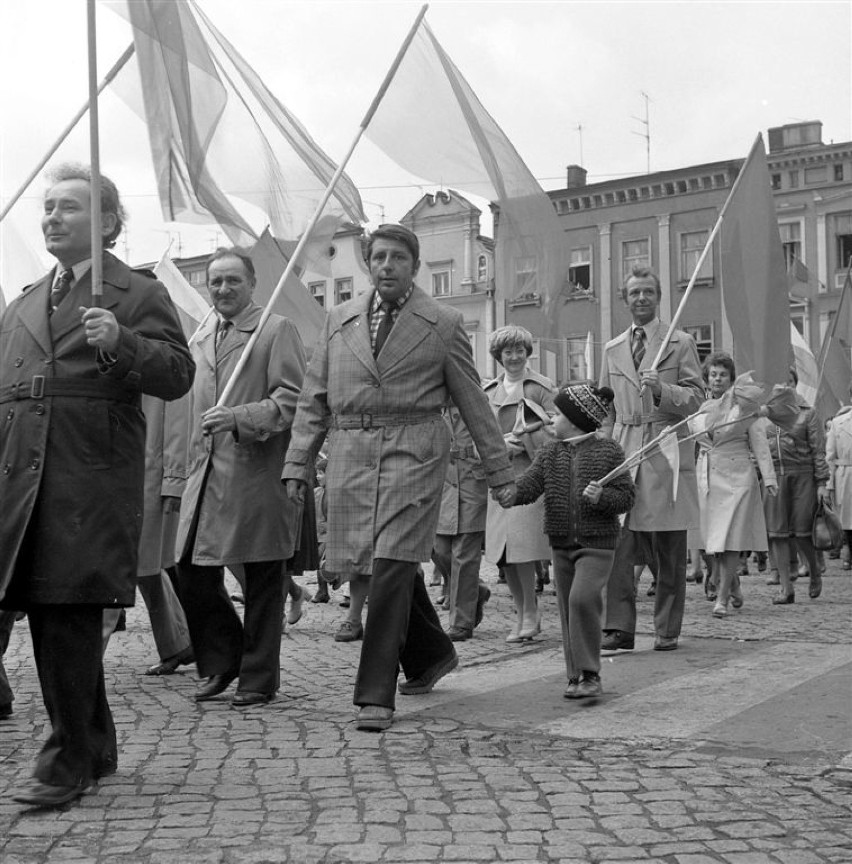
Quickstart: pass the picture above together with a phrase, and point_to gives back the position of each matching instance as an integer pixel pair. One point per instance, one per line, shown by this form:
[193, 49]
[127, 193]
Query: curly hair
[510, 336]
[719, 358]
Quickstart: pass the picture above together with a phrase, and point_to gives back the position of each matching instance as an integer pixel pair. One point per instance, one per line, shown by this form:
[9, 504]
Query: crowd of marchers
[123, 466]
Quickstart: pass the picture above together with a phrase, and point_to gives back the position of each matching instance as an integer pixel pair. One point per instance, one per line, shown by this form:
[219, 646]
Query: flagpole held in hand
[95, 160]
[303, 240]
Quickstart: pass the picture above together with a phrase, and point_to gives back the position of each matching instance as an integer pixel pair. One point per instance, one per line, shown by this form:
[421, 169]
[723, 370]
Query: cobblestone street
[735, 748]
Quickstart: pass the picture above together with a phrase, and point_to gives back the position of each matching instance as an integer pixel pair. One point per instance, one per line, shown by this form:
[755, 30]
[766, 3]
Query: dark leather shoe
[617, 640]
[784, 599]
[44, 795]
[482, 597]
[5, 712]
[425, 682]
[249, 697]
[459, 634]
[665, 643]
[169, 665]
[214, 685]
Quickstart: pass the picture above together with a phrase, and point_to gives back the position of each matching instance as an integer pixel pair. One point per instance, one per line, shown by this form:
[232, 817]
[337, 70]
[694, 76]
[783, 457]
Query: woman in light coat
[522, 401]
[728, 488]
[838, 454]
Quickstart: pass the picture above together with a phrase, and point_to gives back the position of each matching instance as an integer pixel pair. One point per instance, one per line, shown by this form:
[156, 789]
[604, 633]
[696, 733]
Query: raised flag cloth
[835, 370]
[754, 277]
[431, 123]
[225, 149]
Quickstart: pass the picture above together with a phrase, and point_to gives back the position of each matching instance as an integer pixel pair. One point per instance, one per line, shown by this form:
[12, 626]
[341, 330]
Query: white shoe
[720, 610]
[296, 609]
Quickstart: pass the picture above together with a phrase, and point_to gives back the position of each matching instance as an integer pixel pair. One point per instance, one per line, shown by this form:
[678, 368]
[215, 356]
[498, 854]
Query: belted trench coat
[72, 466]
[635, 420]
[388, 444]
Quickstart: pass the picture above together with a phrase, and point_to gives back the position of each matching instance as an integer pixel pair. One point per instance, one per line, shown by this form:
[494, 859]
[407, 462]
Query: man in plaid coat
[382, 372]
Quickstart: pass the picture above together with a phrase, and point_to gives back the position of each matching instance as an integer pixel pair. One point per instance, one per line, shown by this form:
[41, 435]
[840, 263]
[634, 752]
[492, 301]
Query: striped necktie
[384, 325]
[60, 290]
[221, 332]
[638, 347]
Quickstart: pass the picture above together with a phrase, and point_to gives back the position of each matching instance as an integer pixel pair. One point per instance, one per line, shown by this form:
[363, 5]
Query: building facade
[663, 220]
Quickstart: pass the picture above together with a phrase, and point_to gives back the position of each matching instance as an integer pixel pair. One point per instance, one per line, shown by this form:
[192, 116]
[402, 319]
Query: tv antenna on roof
[647, 133]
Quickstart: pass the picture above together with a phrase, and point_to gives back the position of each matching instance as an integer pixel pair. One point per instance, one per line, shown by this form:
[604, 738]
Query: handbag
[827, 532]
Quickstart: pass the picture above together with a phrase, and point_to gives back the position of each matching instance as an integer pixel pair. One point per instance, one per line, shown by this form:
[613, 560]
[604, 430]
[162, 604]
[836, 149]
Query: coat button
[39, 409]
[34, 464]
[7, 468]
[11, 414]
[19, 361]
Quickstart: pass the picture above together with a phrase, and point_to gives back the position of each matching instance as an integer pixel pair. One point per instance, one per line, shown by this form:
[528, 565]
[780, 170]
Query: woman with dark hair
[798, 456]
[522, 400]
[728, 487]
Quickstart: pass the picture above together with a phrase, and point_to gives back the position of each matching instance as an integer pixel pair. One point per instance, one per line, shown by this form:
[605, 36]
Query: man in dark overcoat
[382, 372]
[72, 460]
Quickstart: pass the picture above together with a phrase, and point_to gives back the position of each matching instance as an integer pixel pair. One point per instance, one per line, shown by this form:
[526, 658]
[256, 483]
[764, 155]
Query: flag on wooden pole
[225, 149]
[432, 123]
[806, 367]
[754, 277]
[835, 370]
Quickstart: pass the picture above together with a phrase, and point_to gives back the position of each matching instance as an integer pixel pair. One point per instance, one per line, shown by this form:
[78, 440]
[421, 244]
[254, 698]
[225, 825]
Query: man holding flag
[649, 396]
[72, 451]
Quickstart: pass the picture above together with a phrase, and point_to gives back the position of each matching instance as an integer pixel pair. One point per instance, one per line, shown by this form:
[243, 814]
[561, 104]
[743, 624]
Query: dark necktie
[638, 347]
[222, 331]
[384, 326]
[60, 290]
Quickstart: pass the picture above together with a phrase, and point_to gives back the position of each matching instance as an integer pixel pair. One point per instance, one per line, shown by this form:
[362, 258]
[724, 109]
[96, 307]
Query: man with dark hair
[646, 401]
[72, 449]
[234, 510]
[382, 372]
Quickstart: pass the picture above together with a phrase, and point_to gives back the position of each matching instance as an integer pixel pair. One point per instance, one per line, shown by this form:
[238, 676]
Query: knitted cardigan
[561, 471]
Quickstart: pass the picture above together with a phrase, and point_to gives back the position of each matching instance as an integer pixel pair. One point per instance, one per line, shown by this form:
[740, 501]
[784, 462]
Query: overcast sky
[715, 73]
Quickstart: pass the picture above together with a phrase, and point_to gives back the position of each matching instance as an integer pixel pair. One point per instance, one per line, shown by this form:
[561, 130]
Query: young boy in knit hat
[581, 521]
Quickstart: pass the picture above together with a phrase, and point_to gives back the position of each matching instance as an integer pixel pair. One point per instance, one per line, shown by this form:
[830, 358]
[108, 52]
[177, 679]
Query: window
[580, 270]
[794, 179]
[776, 181]
[526, 277]
[576, 362]
[317, 290]
[342, 290]
[838, 172]
[703, 336]
[692, 244]
[482, 269]
[816, 175]
[843, 239]
[634, 253]
[197, 277]
[441, 283]
[791, 240]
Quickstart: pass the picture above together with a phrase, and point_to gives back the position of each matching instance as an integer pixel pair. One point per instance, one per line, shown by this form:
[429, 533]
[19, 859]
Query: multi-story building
[664, 219]
[457, 264]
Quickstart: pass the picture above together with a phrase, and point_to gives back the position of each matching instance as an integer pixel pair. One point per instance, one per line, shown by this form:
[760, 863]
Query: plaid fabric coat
[383, 482]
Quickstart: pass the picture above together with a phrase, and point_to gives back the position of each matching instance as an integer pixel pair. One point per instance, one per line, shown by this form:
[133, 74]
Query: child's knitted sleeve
[530, 484]
[618, 495]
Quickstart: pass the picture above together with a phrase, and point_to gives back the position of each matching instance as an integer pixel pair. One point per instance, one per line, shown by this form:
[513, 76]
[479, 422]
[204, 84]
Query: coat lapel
[67, 317]
[355, 330]
[622, 358]
[412, 326]
[32, 310]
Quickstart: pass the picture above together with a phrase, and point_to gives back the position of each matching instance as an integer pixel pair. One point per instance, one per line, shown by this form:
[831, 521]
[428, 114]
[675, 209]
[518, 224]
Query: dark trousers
[221, 643]
[7, 621]
[666, 551]
[67, 646]
[580, 575]
[402, 629]
[459, 556]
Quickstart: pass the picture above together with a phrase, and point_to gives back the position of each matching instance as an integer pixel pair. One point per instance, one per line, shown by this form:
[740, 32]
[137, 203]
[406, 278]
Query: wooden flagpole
[108, 78]
[707, 246]
[303, 240]
[95, 160]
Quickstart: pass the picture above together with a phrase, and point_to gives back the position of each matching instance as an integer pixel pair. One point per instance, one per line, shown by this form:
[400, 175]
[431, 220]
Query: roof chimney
[576, 177]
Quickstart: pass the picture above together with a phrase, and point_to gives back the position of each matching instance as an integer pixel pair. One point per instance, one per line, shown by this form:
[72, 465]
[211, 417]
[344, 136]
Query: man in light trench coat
[234, 509]
[384, 368]
[646, 401]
